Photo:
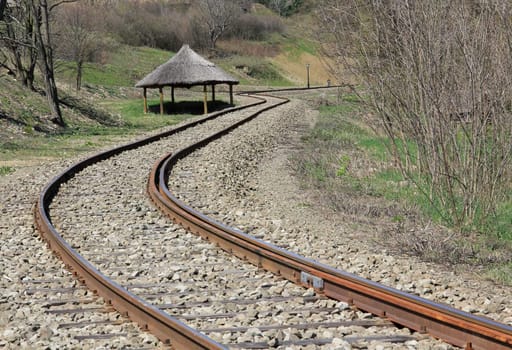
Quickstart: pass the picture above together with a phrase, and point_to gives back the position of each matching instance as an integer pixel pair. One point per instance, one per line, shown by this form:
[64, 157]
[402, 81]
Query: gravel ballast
[243, 180]
[248, 184]
[176, 271]
[35, 285]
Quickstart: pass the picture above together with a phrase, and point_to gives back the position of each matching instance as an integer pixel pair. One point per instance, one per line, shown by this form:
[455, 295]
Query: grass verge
[349, 163]
[85, 137]
[124, 66]
[6, 170]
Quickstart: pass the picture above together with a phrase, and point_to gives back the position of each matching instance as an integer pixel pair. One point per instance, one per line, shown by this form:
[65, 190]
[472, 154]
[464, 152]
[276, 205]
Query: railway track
[169, 278]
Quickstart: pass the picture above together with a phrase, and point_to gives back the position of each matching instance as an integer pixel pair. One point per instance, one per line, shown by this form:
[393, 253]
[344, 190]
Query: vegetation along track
[159, 262]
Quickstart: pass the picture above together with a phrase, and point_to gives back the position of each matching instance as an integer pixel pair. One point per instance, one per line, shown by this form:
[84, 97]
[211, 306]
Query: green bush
[5, 170]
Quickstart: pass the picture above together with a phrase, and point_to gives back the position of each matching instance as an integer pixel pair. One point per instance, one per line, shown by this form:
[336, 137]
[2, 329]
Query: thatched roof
[186, 69]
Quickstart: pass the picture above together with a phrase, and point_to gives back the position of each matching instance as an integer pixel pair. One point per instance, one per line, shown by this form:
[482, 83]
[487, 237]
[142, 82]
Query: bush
[253, 27]
[167, 26]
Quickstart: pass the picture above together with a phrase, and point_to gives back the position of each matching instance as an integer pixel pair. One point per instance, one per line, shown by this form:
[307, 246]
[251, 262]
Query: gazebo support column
[213, 93]
[230, 94]
[172, 94]
[161, 100]
[205, 100]
[145, 101]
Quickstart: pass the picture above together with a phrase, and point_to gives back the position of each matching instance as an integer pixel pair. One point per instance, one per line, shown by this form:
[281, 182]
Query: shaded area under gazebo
[187, 107]
[184, 70]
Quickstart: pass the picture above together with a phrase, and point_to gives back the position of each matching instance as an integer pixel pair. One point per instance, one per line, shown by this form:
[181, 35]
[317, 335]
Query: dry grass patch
[346, 168]
[248, 48]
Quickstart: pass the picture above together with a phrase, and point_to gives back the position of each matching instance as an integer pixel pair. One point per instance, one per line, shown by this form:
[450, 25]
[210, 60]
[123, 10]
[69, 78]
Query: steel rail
[439, 320]
[168, 329]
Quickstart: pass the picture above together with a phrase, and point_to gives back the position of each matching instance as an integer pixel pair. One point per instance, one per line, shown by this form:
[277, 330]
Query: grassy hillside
[122, 67]
[109, 106]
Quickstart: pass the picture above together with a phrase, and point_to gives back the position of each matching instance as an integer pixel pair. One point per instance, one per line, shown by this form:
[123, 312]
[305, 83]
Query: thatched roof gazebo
[186, 69]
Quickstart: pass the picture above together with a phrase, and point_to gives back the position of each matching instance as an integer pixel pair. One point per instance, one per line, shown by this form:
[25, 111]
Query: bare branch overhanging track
[454, 326]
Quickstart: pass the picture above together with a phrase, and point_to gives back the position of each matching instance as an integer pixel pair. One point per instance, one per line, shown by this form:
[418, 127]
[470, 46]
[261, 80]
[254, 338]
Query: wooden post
[230, 94]
[161, 100]
[145, 101]
[213, 92]
[205, 100]
[172, 94]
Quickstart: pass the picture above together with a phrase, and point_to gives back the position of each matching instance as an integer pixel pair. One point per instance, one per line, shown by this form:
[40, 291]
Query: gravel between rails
[34, 283]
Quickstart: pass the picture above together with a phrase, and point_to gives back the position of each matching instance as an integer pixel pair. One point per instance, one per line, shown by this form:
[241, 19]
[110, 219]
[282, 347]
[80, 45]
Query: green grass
[502, 222]
[259, 71]
[81, 138]
[345, 130]
[21, 104]
[317, 170]
[6, 170]
[125, 66]
[341, 138]
[501, 273]
[293, 45]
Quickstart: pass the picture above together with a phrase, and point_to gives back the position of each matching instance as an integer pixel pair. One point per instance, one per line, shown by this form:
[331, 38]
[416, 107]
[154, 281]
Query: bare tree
[18, 36]
[439, 75]
[25, 32]
[45, 57]
[218, 16]
[78, 41]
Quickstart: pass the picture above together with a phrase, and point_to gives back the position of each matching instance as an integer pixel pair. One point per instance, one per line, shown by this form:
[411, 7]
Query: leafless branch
[60, 3]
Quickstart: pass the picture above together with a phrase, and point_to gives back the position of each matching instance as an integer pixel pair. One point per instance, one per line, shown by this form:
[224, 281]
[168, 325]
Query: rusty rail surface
[166, 328]
[441, 321]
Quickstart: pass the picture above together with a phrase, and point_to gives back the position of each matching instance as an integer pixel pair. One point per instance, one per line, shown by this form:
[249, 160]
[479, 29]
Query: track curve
[441, 321]
[150, 318]
[332, 283]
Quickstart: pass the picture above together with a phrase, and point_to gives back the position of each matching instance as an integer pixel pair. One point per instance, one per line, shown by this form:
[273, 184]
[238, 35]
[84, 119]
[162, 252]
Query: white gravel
[34, 283]
[244, 180]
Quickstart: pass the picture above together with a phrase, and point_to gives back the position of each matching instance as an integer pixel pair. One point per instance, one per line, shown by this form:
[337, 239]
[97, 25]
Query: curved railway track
[451, 325]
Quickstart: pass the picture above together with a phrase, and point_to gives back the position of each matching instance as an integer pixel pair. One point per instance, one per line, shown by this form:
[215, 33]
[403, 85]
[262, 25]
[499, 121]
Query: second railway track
[104, 214]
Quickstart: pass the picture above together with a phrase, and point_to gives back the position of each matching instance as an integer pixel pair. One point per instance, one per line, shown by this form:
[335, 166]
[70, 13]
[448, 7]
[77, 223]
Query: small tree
[78, 42]
[218, 16]
[439, 75]
[17, 32]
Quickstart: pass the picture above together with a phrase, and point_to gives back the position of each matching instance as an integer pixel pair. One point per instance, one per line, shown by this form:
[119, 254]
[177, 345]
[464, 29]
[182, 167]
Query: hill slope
[108, 97]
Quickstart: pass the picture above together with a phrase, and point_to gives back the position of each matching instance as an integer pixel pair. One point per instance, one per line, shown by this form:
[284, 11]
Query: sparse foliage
[439, 75]
[283, 7]
[218, 16]
[78, 40]
[25, 35]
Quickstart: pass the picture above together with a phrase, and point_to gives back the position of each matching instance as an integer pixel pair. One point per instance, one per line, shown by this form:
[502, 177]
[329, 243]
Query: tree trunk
[30, 71]
[79, 66]
[46, 59]
[21, 42]
[3, 5]
[31, 33]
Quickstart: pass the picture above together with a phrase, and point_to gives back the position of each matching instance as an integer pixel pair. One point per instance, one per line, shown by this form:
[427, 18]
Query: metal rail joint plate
[311, 281]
